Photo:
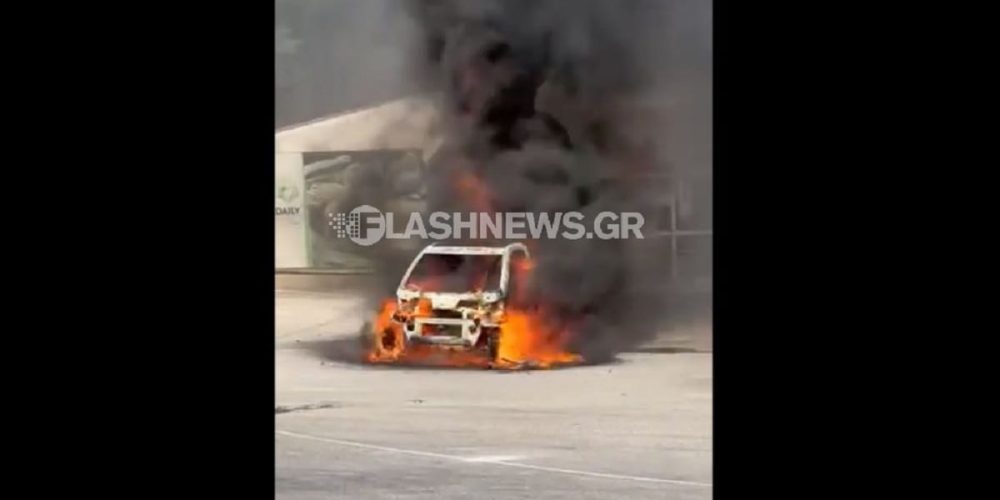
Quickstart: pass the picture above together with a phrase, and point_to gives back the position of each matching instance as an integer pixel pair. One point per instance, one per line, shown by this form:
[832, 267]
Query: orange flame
[525, 337]
[388, 341]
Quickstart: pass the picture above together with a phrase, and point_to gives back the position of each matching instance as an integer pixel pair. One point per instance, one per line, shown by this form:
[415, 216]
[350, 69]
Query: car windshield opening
[455, 273]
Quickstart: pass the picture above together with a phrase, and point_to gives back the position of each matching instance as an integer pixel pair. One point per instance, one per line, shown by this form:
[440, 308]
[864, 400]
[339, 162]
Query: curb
[321, 272]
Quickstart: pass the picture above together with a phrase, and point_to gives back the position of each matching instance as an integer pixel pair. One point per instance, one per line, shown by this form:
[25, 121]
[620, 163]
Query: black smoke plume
[552, 105]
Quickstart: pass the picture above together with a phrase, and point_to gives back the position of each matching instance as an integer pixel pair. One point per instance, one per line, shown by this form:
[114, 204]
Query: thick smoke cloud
[557, 106]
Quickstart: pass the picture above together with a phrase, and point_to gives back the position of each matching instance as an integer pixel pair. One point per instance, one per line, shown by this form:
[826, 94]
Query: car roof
[468, 250]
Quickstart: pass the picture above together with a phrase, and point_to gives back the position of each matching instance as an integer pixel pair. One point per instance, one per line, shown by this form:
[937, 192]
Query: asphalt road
[637, 428]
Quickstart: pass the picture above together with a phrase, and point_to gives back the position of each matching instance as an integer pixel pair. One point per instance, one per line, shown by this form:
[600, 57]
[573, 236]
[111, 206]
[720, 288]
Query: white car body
[461, 317]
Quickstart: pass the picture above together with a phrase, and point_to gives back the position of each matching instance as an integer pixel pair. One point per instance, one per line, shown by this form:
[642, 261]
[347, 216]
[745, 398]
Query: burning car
[466, 306]
[451, 297]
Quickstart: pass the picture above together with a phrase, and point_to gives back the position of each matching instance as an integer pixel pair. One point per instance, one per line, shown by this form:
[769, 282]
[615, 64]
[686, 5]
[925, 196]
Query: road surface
[637, 428]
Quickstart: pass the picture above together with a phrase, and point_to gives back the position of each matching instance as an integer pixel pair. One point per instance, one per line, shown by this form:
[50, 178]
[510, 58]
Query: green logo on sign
[287, 192]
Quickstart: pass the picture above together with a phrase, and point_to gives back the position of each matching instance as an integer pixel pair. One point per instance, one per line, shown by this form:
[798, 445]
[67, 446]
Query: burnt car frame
[436, 304]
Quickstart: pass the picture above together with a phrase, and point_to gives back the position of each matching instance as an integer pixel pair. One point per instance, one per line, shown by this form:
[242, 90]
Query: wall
[379, 137]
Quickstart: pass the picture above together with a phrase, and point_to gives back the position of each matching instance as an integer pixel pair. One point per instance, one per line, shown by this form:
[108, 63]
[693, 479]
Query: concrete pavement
[638, 428]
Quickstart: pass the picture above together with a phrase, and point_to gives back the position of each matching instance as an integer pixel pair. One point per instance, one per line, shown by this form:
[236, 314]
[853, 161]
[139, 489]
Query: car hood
[441, 300]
